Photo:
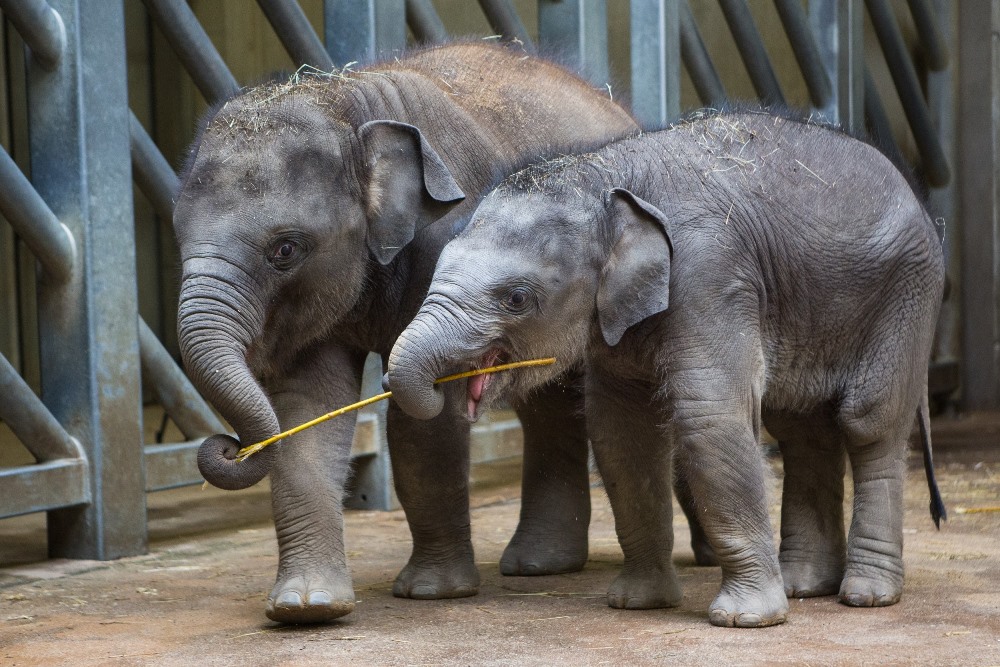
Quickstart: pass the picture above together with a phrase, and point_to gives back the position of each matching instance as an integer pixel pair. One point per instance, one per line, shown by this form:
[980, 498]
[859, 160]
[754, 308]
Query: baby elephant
[804, 279]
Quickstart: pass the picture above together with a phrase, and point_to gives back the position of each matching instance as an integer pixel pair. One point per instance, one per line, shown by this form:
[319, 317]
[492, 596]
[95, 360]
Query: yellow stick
[976, 510]
[250, 450]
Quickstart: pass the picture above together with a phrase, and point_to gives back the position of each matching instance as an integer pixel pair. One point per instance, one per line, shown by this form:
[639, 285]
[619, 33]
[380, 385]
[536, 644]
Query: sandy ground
[197, 598]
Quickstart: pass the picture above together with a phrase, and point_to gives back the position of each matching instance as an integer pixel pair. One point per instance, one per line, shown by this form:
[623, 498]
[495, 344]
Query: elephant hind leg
[813, 548]
[876, 415]
[551, 535]
[703, 553]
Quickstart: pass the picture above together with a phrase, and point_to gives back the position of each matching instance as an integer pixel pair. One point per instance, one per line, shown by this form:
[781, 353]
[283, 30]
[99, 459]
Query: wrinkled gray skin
[803, 279]
[304, 230]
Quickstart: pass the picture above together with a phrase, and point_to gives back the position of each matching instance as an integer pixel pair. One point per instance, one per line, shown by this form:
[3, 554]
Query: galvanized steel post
[579, 30]
[359, 31]
[838, 26]
[656, 61]
[78, 115]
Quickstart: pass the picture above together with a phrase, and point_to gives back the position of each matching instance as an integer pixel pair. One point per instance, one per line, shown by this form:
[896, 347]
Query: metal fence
[76, 216]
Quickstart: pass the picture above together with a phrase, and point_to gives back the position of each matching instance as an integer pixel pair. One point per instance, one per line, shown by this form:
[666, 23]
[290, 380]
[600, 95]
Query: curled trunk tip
[412, 371]
[218, 465]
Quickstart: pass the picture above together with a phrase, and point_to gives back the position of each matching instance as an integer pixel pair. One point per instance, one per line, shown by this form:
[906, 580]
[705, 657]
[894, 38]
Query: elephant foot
[299, 600]
[749, 609]
[436, 579]
[756, 610]
[859, 591]
[534, 553]
[654, 590]
[811, 579]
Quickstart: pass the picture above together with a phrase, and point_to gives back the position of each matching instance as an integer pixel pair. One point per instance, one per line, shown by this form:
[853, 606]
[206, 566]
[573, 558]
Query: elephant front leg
[430, 466]
[874, 573]
[551, 535]
[633, 456]
[313, 584]
[717, 444]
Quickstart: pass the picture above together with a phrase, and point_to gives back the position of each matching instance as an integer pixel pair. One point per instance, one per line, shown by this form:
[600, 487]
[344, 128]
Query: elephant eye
[517, 300]
[284, 253]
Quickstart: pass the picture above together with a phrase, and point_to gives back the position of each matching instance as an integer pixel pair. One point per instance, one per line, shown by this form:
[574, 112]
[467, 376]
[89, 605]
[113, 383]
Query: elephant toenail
[423, 591]
[720, 617]
[289, 599]
[320, 599]
[748, 620]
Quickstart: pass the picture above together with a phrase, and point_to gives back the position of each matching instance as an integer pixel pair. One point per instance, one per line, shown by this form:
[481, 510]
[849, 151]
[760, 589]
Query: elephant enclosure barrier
[76, 356]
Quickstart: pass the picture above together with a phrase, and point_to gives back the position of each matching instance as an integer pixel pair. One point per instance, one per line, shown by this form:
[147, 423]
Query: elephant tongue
[477, 385]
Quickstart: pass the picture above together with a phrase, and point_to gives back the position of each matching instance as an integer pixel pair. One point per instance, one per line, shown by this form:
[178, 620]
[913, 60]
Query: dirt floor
[197, 598]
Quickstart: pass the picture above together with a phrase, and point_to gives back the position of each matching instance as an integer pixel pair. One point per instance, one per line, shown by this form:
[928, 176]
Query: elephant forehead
[535, 223]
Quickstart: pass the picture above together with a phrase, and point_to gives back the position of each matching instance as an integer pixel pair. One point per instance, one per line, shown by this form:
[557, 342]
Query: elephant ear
[409, 186]
[635, 281]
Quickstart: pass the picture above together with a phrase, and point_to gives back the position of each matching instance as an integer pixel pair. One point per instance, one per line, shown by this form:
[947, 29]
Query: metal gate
[76, 214]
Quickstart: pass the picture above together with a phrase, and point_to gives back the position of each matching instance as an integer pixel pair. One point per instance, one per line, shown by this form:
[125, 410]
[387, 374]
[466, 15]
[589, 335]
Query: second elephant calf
[733, 271]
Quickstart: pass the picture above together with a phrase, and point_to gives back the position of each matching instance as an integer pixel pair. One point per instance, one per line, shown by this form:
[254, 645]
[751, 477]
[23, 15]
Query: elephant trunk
[417, 359]
[214, 335]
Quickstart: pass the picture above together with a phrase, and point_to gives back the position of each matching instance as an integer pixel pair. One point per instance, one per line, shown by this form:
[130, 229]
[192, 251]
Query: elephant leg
[876, 415]
[551, 535]
[874, 573]
[813, 544]
[307, 488]
[633, 456]
[430, 466]
[717, 443]
[703, 554]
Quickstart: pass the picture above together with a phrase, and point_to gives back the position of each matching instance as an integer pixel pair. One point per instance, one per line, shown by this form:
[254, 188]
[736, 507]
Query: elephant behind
[733, 271]
[309, 220]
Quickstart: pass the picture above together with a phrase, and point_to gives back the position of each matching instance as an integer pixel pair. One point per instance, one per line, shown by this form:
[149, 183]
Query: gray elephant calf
[305, 228]
[804, 279]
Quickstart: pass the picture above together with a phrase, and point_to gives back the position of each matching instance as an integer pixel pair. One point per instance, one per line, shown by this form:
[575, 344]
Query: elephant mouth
[478, 385]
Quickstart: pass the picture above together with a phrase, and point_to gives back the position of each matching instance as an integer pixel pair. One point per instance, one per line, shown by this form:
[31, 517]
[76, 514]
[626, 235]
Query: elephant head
[282, 217]
[528, 278]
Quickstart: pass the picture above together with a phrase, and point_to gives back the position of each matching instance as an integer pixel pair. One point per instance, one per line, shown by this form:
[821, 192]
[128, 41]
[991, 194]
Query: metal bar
[152, 173]
[90, 378]
[424, 21]
[504, 20]
[941, 202]
[698, 62]
[44, 486]
[877, 120]
[577, 29]
[30, 420]
[839, 30]
[193, 48]
[35, 223]
[935, 163]
[806, 51]
[933, 43]
[296, 33]
[751, 48]
[656, 61]
[172, 465]
[176, 393]
[362, 30]
[175, 464]
[40, 27]
[978, 122]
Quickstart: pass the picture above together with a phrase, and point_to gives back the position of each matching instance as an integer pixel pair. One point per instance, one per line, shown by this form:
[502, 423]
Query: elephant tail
[938, 511]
